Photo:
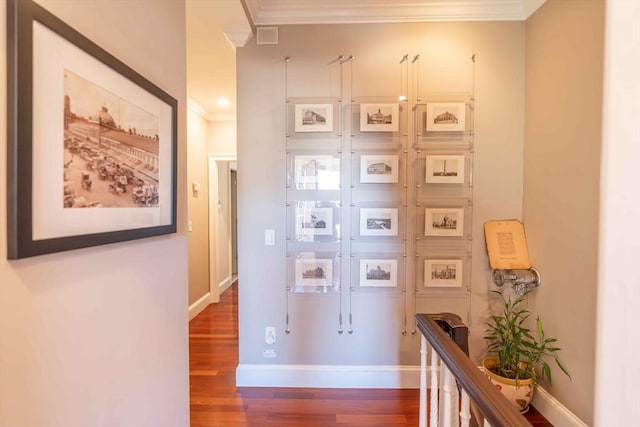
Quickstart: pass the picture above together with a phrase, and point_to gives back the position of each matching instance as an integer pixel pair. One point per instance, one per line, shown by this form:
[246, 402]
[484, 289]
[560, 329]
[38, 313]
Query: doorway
[223, 253]
[234, 220]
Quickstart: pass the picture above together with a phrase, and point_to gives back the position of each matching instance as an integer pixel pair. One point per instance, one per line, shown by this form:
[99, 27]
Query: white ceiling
[215, 27]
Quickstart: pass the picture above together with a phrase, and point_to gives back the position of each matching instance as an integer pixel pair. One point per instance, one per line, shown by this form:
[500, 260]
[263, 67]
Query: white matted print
[378, 221]
[446, 169]
[320, 172]
[314, 272]
[379, 168]
[443, 273]
[446, 117]
[314, 118]
[379, 273]
[314, 221]
[443, 222]
[379, 117]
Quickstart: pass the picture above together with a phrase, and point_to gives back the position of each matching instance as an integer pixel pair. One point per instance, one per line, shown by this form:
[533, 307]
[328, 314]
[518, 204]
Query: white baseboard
[224, 285]
[554, 411]
[328, 376]
[198, 306]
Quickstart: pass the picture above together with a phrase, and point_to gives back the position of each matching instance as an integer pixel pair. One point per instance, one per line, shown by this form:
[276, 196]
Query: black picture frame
[30, 205]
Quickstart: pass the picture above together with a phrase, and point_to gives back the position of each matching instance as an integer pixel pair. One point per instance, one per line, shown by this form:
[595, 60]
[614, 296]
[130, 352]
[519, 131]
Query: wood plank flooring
[216, 402]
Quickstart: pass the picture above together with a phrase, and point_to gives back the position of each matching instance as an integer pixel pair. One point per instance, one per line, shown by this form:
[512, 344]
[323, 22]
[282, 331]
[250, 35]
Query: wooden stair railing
[451, 405]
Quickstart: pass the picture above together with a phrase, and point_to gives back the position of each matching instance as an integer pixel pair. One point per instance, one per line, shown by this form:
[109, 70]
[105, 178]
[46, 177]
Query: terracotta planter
[518, 392]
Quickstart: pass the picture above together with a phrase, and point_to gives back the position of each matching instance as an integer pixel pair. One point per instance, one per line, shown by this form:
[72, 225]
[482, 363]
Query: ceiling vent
[267, 35]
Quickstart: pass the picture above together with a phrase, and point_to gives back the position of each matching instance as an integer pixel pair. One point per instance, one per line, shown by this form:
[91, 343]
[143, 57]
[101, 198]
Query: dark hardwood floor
[216, 402]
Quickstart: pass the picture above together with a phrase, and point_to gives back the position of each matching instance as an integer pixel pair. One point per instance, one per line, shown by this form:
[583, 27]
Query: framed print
[445, 169]
[314, 118]
[379, 273]
[314, 221]
[446, 117]
[443, 273]
[321, 172]
[378, 221]
[92, 143]
[379, 117]
[379, 169]
[314, 272]
[443, 222]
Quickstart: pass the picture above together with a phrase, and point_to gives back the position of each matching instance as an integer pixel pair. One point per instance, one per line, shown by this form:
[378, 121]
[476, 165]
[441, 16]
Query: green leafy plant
[521, 355]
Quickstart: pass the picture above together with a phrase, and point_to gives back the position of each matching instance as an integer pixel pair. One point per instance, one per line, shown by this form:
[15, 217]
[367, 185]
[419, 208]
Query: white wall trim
[224, 285]
[198, 306]
[554, 411]
[282, 13]
[328, 376]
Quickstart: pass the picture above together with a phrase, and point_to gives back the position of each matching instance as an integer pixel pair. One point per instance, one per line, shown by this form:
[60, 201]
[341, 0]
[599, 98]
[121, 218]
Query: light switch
[269, 237]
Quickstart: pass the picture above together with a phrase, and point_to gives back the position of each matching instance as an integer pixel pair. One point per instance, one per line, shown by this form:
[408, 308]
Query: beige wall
[98, 336]
[445, 67]
[562, 183]
[222, 137]
[198, 206]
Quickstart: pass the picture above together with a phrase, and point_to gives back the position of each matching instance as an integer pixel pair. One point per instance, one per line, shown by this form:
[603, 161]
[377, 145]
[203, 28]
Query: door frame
[215, 288]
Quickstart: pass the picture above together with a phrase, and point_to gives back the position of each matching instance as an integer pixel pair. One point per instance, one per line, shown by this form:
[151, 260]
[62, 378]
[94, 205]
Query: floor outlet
[270, 335]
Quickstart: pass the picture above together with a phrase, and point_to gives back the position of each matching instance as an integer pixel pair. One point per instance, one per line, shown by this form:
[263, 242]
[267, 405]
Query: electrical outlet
[269, 353]
[270, 335]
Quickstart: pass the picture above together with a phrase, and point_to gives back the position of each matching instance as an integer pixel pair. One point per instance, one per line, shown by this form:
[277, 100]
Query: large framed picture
[445, 117]
[379, 273]
[316, 172]
[379, 117]
[443, 273]
[379, 169]
[313, 118]
[314, 272]
[443, 222]
[378, 221]
[313, 221]
[445, 169]
[92, 143]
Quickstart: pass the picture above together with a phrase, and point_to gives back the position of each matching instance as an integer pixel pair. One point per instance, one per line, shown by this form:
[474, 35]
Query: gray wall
[98, 336]
[445, 67]
[562, 183]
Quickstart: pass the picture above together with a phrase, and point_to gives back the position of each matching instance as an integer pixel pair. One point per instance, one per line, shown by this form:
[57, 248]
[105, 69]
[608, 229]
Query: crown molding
[202, 112]
[283, 12]
[197, 108]
[237, 37]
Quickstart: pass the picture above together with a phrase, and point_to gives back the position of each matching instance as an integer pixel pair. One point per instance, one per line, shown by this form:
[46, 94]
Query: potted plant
[517, 358]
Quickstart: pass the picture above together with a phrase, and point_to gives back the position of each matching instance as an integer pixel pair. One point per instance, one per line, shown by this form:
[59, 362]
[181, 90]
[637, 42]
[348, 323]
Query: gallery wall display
[445, 169]
[443, 222]
[314, 117]
[316, 172]
[379, 117]
[349, 171]
[314, 272]
[443, 273]
[92, 143]
[316, 221]
[378, 222]
[376, 272]
[379, 169]
[443, 147]
[445, 117]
